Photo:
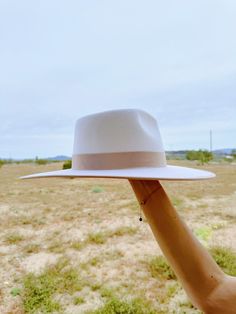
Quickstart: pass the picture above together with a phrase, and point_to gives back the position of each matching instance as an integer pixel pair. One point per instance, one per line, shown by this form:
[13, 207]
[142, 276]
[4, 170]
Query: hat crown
[121, 144]
[125, 130]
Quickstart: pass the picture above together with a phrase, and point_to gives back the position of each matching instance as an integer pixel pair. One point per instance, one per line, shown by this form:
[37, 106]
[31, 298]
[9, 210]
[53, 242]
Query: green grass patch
[95, 286]
[97, 238]
[159, 268]
[172, 290]
[39, 290]
[219, 225]
[106, 292]
[99, 259]
[121, 231]
[203, 233]
[94, 261]
[177, 201]
[31, 248]
[113, 254]
[56, 247]
[187, 305]
[15, 291]
[97, 189]
[101, 237]
[78, 300]
[225, 258]
[116, 306]
[78, 245]
[13, 238]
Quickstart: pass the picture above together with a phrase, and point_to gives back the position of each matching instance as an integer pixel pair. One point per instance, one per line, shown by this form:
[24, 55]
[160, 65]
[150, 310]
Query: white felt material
[162, 173]
[122, 131]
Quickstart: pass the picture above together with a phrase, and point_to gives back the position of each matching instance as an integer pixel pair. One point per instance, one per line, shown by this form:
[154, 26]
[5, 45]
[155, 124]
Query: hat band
[120, 160]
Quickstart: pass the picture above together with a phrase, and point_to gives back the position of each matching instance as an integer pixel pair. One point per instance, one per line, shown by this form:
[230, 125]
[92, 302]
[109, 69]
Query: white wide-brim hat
[122, 143]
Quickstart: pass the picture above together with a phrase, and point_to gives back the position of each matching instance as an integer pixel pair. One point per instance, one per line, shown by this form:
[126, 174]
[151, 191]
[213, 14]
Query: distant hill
[59, 158]
[224, 151]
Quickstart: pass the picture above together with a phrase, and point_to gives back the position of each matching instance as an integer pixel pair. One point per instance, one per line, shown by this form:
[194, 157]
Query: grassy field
[77, 245]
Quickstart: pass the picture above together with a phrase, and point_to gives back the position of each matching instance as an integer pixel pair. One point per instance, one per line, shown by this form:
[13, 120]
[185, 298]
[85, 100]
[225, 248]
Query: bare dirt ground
[94, 224]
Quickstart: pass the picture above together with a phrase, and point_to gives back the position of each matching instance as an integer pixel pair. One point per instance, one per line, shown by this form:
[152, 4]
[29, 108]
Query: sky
[61, 60]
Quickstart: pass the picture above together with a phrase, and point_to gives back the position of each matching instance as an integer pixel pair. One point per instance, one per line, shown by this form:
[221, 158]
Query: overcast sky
[60, 60]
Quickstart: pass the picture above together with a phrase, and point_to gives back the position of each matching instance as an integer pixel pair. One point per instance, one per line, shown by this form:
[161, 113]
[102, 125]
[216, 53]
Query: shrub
[1, 163]
[203, 156]
[67, 164]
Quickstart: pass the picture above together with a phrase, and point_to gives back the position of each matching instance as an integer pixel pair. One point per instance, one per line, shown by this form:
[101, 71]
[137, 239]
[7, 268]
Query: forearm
[194, 266]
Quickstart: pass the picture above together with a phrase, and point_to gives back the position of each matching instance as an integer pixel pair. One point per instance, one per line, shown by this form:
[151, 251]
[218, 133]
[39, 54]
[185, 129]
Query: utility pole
[211, 141]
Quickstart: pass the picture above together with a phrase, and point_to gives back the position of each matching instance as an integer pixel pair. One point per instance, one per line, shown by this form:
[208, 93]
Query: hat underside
[147, 173]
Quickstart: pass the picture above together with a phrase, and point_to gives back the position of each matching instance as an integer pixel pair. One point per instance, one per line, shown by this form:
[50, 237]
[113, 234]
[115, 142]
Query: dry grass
[93, 225]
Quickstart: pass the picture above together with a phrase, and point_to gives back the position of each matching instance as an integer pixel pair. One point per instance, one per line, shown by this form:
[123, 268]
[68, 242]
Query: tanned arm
[208, 288]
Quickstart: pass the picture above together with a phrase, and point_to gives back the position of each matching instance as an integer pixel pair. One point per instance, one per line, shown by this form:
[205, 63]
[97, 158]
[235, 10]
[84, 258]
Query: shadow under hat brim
[148, 173]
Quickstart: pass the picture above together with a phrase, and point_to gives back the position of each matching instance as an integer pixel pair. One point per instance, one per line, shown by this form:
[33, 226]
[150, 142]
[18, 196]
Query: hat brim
[148, 173]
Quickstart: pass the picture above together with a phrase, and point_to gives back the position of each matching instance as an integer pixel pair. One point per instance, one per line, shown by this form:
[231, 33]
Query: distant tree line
[233, 153]
[38, 161]
[203, 156]
[5, 161]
